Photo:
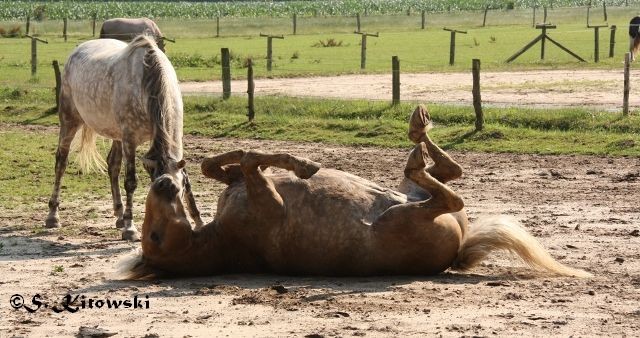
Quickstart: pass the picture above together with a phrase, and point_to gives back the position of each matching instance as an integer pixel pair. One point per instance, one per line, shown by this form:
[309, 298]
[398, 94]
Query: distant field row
[198, 58]
[159, 9]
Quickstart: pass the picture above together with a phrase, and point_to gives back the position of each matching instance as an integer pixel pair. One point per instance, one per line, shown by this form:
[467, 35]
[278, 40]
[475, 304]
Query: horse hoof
[418, 157]
[131, 235]
[120, 224]
[419, 123]
[306, 168]
[52, 222]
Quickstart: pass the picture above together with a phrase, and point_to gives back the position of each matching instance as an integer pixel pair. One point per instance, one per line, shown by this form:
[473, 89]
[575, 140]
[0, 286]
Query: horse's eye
[154, 237]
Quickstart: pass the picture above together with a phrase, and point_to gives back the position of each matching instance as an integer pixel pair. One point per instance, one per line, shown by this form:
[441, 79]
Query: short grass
[196, 54]
[361, 122]
[27, 152]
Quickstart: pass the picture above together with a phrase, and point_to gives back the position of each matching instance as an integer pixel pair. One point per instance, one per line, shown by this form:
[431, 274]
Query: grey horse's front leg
[129, 231]
[191, 201]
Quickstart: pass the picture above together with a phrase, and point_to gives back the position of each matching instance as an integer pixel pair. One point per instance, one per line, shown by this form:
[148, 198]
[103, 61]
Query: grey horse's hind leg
[70, 122]
[114, 162]
[129, 231]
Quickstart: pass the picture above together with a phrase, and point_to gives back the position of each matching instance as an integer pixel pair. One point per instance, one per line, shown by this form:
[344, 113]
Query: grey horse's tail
[504, 233]
[88, 158]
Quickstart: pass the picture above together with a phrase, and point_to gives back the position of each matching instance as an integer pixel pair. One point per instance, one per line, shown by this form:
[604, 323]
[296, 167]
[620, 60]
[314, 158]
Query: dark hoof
[306, 168]
[120, 223]
[131, 234]
[52, 222]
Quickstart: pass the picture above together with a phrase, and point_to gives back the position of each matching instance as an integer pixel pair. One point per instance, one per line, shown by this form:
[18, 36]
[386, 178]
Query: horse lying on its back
[326, 222]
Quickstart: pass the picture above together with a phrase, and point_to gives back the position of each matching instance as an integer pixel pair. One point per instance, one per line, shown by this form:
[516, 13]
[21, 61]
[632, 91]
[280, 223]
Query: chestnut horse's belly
[329, 229]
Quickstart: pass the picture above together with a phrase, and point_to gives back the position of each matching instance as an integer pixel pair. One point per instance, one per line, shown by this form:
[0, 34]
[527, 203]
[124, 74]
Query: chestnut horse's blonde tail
[504, 233]
[88, 158]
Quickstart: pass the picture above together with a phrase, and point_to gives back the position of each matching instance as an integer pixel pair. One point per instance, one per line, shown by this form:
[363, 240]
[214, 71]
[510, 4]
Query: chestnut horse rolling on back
[130, 94]
[326, 222]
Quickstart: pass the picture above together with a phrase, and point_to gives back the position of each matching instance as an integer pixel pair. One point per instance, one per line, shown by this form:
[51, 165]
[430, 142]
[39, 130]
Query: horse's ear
[181, 164]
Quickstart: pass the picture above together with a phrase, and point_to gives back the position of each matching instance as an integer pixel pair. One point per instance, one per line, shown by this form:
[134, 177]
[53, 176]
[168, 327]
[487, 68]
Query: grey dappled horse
[129, 94]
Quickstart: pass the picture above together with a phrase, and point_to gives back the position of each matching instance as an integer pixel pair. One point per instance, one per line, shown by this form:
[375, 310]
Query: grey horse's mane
[159, 98]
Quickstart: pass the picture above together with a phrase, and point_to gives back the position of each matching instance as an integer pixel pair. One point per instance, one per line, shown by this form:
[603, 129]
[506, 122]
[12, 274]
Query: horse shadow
[324, 288]
[17, 246]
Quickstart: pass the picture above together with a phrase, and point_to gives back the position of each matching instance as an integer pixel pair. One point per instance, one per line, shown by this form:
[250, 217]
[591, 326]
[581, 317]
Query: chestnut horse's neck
[205, 255]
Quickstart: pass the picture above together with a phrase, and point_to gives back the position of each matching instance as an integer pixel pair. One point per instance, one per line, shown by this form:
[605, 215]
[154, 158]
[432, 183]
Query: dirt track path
[551, 88]
[583, 208]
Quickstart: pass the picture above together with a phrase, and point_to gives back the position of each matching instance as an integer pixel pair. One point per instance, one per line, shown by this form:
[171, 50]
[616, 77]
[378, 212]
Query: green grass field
[196, 54]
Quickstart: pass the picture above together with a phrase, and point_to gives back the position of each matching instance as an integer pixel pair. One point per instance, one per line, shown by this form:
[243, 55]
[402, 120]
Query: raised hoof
[418, 158]
[120, 223]
[131, 235]
[306, 168]
[419, 124]
[52, 222]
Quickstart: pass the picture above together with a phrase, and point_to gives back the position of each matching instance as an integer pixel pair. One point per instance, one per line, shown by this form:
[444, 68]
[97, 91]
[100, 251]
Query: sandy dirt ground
[601, 89]
[584, 209]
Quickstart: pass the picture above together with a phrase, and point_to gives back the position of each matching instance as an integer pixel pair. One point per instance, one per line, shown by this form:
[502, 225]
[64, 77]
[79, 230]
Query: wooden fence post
[64, 29]
[545, 14]
[424, 19]
[363, 52]
[625, 98]
[28, 24]
[56, 71]
[484, 20]
[34, 53]
[477, 101]
[270, 48]
[295, 23]
[534, 16]
[93, 25]
[612, 40]
[34, 57]
[596, 45]
[604, 8]
[226, 73]
[395, 79]
[217, 26]
[250, 90]
[543, 39]
[452, 44]
[358, 23]
[363, 48]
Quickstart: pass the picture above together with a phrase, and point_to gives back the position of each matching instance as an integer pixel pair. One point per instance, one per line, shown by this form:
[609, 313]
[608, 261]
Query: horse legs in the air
[444, 168]
[264, 201]
[70, 122]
